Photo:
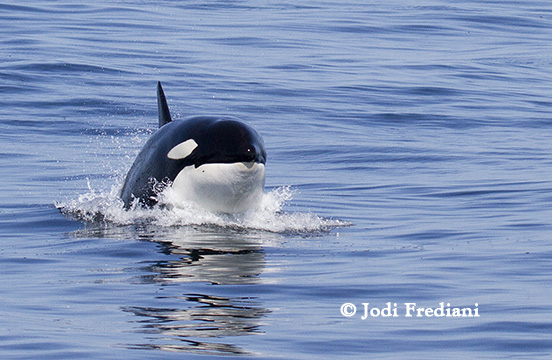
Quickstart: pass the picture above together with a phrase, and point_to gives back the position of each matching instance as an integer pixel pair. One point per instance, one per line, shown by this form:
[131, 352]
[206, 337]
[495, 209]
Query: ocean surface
[409, 162]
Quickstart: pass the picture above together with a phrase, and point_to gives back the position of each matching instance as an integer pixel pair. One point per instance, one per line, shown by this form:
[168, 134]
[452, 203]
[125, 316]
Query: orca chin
[226, 187]
[217, 163]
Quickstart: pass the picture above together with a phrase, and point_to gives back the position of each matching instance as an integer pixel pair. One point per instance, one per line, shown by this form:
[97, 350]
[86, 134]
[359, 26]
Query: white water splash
[107, 207]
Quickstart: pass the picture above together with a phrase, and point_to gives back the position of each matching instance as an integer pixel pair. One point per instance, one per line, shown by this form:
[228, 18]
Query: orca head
[221, 164]
[227, 141]
[210, 140]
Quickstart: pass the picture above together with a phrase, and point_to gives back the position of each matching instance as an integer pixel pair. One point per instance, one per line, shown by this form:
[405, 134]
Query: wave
[106, 207]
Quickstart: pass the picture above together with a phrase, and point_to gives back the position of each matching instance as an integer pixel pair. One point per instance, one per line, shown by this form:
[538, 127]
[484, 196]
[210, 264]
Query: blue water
[409, 161]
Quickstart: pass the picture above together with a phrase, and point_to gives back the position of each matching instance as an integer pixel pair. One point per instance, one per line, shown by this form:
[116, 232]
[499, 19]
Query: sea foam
[105, 206]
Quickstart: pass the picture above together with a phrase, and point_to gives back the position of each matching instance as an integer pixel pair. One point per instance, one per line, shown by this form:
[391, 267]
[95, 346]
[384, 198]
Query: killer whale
[215, 162]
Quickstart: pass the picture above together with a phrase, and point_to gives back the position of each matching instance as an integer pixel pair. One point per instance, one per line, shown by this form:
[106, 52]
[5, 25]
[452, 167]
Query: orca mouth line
[229, 159]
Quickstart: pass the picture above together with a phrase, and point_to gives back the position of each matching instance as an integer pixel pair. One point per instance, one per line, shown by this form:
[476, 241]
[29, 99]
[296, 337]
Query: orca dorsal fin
[163, 108]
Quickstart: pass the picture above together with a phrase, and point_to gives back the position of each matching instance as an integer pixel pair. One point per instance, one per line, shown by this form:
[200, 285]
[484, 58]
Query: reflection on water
[194, 322]
[205, 317]
[222, 259]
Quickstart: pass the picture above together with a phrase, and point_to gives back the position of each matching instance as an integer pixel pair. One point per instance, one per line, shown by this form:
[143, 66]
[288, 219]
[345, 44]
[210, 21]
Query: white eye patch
[182, 150]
